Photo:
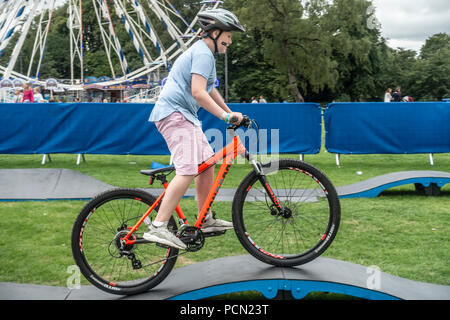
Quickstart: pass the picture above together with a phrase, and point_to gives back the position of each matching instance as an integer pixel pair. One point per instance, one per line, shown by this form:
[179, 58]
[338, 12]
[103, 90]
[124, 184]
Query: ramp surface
[244, 273]
[51, 184]
[48, 184]
[430, 181]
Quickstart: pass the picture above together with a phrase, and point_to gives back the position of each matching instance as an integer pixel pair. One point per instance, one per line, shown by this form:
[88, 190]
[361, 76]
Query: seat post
[161, 177]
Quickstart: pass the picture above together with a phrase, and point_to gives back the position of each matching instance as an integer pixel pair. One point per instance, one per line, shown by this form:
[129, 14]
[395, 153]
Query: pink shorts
[186, 142]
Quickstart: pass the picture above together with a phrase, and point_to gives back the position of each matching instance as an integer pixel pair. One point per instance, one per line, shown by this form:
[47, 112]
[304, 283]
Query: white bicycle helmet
[218, 19]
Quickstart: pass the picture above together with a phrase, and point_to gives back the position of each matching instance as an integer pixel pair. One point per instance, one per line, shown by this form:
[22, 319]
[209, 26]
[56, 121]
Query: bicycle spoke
[299, 226]
[125, 265]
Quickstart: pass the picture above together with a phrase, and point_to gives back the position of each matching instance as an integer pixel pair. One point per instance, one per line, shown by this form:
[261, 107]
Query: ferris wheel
[141, 19]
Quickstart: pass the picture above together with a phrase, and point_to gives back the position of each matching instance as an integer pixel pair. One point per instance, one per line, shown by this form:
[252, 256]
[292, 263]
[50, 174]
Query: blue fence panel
[91, 128]
[284, 127]
[105, 128]
[382, 128]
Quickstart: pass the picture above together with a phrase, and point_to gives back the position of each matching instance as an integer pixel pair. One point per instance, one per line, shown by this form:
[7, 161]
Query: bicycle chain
[165, 259]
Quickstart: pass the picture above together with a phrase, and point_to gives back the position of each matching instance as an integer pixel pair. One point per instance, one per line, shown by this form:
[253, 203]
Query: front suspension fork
[265, 183]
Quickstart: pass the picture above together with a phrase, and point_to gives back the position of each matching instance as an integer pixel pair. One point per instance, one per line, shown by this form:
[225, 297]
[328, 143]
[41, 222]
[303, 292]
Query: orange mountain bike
[285, 213]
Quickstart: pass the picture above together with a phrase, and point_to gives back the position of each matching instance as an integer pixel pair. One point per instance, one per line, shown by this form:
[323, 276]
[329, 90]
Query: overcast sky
[408, 23]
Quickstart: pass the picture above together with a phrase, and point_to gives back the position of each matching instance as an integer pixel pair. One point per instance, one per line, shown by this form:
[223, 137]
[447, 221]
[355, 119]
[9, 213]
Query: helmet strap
[207, 34]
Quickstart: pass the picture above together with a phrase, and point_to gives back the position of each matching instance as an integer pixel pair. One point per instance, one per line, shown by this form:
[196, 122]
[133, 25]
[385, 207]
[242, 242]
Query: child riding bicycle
[190, 86]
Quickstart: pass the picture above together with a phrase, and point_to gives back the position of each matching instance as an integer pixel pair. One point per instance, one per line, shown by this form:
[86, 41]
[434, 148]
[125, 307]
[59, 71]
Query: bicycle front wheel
[304, 228]
[101, 256]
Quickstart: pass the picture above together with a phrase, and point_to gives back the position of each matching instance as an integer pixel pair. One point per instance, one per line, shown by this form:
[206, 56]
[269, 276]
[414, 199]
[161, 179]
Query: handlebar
[246, 122]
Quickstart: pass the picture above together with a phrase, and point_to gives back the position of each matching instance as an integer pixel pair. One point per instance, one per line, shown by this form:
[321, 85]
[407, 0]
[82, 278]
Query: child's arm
[219, 100]
[207, 101]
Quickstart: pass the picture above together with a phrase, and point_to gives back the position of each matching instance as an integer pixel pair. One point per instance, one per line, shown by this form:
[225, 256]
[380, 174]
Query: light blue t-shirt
[176, 94]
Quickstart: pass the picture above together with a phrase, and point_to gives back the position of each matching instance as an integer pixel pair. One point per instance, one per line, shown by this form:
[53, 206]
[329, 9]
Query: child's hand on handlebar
[235, 118]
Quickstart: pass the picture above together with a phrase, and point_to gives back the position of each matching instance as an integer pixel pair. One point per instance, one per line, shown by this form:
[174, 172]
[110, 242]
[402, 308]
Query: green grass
[403, 233]
[124, 170]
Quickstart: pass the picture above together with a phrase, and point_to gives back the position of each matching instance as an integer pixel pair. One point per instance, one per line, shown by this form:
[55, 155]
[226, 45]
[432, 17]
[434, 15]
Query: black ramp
[47, 184]
[245, 273]
[374, 186]
[19, 291]
[352, 278]
[198, 276]
[321, 274]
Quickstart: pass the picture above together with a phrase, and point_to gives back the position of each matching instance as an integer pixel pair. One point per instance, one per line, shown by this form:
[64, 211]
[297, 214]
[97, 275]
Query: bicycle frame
[227, 154]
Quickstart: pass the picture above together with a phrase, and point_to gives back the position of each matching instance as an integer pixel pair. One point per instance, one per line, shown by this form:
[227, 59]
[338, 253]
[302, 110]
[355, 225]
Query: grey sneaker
[214, 225]
[162, 235]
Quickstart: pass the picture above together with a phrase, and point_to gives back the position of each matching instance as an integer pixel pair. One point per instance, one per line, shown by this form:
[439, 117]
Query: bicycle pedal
[214, 233]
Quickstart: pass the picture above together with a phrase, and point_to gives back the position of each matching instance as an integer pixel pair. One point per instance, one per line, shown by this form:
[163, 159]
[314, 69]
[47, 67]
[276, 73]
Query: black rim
[304, 227]
[108, 264]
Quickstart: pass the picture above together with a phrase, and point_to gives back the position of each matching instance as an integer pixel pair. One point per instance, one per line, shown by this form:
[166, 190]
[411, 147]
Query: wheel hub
[120, 246]
[286, 213]
[119, 249]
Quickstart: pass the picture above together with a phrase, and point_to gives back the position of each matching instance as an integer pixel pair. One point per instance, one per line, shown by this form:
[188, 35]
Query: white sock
[157, 223]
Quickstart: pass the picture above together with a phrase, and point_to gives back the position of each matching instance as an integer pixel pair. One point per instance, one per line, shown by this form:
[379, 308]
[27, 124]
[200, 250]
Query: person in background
[37, 96]
[17, 96]
[407, 99]
[261, 99]
[397, 96]
[387, 95]
[254, 100]
[27, 93]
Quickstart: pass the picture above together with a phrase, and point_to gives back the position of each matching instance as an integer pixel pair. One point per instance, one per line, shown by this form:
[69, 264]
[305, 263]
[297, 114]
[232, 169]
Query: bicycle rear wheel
[306, 226]
[99, 253]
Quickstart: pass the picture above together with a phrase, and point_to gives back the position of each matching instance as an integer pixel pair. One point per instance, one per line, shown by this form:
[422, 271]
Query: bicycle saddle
[153, 172]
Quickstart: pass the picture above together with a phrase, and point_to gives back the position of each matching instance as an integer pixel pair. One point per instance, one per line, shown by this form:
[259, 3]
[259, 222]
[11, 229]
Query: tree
[357, 48]
[401, 69]
[290, 41]
[433, 44]
[431, 80]
[248, 72]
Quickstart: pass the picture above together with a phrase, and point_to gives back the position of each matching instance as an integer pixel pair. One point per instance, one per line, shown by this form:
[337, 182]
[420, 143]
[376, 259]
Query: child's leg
[203, 184]
[158, 231]
[174, 192]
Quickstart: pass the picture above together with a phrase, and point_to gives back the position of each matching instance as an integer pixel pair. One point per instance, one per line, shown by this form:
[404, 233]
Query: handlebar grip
[246, 122]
